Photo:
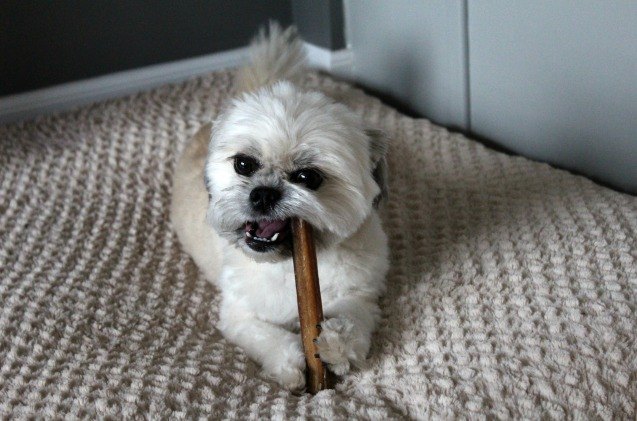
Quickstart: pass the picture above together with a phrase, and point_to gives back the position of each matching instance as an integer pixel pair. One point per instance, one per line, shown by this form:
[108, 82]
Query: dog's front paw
[287, 367]
[291, 378]
[340, 344]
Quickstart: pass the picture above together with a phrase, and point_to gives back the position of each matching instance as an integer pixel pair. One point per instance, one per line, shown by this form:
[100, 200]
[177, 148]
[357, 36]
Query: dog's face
[282, 153]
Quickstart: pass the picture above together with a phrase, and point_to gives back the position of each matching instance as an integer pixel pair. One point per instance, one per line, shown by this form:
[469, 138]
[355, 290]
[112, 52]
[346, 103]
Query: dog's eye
[312, 179]
[245, 165]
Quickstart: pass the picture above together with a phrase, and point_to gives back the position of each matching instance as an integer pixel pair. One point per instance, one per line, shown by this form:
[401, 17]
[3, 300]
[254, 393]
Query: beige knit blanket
[512, 290]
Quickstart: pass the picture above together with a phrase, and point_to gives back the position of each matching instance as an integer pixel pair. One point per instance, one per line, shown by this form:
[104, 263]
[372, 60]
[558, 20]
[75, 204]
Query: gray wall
[557, 81]
[553, 80]
[45, 43]
[320, 22]
[412, 51]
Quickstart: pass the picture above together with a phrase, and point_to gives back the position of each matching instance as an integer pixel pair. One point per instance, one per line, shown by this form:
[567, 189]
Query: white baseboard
[73, 94]
[338, 62]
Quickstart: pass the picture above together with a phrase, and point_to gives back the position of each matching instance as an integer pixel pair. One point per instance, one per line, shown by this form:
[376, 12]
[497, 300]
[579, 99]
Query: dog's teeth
[248, 234]
[275, 236]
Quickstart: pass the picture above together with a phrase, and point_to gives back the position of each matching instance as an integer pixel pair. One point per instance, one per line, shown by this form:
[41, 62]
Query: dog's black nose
[263, 199]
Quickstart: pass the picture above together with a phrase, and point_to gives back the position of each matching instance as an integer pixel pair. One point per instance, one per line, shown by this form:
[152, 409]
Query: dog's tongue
[267, 229]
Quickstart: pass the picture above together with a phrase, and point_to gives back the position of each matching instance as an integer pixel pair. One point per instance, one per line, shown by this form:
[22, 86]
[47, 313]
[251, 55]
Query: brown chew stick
[308, 295]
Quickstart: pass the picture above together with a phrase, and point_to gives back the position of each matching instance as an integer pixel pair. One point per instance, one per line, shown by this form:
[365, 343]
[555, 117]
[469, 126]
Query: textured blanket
[512, 289]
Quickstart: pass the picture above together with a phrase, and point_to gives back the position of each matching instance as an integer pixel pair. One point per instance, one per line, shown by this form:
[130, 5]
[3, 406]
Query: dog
[278, 151]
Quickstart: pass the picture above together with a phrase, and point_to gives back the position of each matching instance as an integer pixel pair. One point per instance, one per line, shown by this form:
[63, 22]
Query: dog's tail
[274, 56]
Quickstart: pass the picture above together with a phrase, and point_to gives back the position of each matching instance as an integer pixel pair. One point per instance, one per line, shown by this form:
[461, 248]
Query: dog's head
[281, 153]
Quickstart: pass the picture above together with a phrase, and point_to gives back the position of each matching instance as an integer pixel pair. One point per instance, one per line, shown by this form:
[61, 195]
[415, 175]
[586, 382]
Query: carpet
[512, 289]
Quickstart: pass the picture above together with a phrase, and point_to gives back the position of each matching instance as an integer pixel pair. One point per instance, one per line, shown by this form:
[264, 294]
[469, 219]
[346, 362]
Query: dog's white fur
[286, 127]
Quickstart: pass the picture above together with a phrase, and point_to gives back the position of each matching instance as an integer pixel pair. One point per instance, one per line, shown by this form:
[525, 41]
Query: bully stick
[308, 296]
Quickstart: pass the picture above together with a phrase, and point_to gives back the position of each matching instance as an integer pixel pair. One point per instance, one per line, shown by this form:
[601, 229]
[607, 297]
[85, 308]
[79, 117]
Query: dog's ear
[378, 146]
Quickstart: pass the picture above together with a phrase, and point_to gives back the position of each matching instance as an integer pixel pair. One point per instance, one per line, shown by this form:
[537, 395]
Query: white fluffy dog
[278, 151]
